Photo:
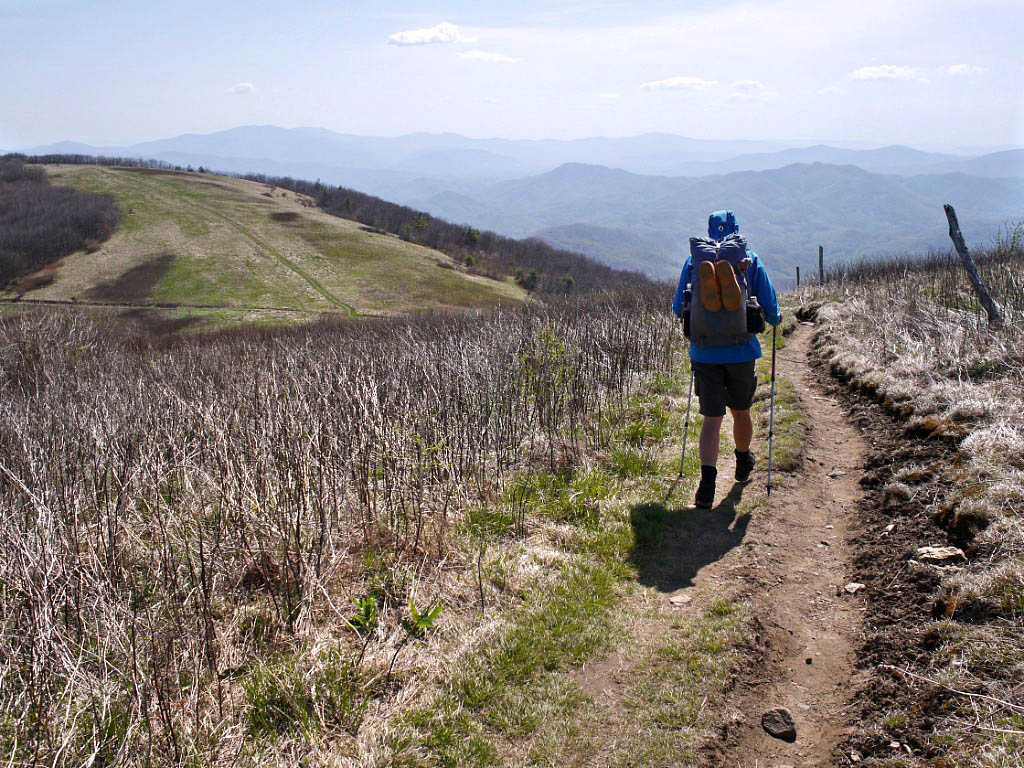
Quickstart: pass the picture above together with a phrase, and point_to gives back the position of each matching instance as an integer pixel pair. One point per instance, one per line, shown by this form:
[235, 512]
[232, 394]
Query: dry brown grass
[914, 340]
[186, 522]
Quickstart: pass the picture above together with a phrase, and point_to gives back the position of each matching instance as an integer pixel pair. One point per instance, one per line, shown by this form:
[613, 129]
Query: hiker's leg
[709, 437]
[742, 429]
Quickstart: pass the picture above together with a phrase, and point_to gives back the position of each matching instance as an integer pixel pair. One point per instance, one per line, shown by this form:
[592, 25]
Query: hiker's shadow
[673, 544]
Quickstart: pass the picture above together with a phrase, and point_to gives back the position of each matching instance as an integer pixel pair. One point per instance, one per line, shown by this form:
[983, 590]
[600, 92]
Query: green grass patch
[230, 253]
[564, 497]
[514, 687]
[676, 678]
[630, 462]
[286, 696]
[790, 424]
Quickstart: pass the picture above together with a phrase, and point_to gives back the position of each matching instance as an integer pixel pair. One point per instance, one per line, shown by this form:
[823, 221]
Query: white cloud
[445, 32]
[242, 89]
[829, 90]
[751, 91]
[959, 70]
[888, 72]
[476, 55]
[682, 83]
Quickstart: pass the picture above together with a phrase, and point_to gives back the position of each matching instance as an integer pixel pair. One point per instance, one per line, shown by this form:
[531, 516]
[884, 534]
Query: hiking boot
[705, 498]
[729, 285]
[745, 461]
[710, 294]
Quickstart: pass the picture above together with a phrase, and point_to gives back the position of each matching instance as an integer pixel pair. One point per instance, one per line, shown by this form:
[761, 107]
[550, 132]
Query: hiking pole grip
[771, 414]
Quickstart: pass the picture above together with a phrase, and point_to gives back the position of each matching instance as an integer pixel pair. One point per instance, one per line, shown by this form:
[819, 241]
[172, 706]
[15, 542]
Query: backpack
[722, 328]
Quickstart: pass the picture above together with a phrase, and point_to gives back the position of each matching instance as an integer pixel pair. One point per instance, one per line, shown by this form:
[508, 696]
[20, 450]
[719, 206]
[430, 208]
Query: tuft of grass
[676, 678]
[564, 497]
[629, 462]
[647, 422]
[513, 687]
[283, 696]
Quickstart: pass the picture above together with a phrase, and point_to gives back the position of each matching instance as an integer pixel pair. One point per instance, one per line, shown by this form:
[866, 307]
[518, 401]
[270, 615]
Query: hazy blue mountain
[899, 160]
[893, 159]
[621, 248]
[637, 197]
[519, 157]
[994, 165]
[462, 164]
[784, 212]
[401, 160]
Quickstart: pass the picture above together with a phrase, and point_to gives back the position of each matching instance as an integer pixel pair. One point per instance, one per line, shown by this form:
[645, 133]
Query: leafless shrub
[186, 521]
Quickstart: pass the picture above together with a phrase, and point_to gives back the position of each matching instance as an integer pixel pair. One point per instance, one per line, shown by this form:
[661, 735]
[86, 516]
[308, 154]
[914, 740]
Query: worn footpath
[789, 559]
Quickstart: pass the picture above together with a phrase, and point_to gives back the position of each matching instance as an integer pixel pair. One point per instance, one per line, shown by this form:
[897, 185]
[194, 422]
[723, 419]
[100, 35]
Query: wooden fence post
[798, 277]
[991, 308]
[821, 265]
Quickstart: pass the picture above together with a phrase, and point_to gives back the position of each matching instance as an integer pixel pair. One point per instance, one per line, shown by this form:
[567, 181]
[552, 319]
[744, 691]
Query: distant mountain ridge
[337, 157]
[785, 212]
[632, 201]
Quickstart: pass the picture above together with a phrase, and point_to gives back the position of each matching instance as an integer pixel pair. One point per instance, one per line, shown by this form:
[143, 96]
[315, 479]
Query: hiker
[723, 305]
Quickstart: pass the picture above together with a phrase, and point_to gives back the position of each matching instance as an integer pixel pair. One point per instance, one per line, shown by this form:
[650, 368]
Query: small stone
[779, 723]
[678, 600]
[941, 555]
[894, 745]
[836, 473]
[853, 587]
[855, 756]
[890, 527]
[809, 660]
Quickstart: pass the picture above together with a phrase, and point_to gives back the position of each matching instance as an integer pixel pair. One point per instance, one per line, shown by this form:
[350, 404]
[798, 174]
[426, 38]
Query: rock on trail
[778, 722]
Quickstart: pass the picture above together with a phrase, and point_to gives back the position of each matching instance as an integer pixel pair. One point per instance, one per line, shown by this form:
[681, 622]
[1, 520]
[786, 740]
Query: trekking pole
[686, 429]
[771, 415]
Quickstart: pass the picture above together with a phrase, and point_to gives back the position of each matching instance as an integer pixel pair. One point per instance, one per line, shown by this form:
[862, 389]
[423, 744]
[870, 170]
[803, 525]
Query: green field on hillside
[221, 249]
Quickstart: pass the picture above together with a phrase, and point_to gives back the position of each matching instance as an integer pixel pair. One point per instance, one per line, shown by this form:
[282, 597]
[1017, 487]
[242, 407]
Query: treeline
[40, 223]
[112, 160]
[535, 265]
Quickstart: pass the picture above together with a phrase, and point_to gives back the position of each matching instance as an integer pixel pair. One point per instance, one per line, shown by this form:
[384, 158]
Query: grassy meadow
[225, 249]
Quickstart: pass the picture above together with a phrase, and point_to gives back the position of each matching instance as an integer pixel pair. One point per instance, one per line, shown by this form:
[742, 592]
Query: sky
[935, 74]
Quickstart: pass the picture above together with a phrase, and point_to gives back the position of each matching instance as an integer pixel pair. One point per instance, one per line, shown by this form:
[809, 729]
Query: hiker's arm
[677, 300]
[765, 292]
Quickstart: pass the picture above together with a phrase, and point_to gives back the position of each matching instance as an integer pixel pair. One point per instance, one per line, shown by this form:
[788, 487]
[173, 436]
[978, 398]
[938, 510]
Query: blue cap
[721, 224]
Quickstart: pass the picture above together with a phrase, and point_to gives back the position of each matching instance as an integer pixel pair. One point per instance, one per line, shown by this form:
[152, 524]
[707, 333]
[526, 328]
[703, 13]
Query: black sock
[708, 472]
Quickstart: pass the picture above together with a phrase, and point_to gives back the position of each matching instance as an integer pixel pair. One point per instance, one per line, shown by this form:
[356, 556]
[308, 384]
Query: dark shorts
[724, 384]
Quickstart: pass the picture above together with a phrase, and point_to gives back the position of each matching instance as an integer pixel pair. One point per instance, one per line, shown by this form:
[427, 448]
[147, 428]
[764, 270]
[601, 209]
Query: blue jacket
[761, 287]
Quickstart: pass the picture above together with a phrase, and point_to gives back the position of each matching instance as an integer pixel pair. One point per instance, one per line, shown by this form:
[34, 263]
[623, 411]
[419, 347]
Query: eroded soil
[801, 558]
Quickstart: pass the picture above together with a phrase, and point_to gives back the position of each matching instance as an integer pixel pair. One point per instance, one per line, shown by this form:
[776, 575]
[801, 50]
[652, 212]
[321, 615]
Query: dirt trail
[799, 553]
[792, 559]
